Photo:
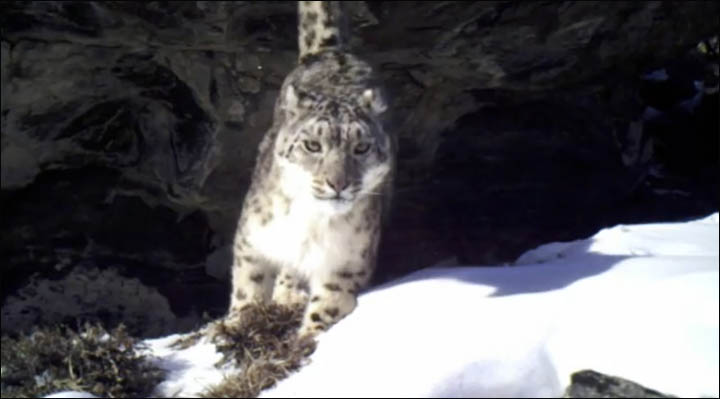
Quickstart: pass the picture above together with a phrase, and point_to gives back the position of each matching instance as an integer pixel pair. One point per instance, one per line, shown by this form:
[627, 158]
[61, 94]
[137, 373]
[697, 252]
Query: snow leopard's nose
[338, 184]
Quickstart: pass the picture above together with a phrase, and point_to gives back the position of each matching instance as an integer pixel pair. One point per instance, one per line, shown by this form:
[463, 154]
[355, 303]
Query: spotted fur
[321, 26]
[310, 223]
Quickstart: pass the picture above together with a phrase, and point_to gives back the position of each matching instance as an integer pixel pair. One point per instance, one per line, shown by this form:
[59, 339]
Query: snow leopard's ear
[373, 101]
[290, 102]
[291, 99]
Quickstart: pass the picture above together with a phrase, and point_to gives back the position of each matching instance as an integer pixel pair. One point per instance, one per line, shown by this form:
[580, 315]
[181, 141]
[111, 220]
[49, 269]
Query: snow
[71, 394]
[639, 302]
[659, 75]
[189, 370]
[635, 301]
[651, 113]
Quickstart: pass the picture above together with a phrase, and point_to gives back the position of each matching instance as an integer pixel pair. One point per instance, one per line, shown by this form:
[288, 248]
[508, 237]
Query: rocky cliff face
[129, 131]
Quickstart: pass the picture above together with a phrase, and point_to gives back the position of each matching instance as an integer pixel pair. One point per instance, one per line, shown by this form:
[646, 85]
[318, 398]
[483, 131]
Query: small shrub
[51, 359]
[264, 344]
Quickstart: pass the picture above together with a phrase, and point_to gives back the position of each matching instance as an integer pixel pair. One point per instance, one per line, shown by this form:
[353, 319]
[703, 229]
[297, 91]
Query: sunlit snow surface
[635, 301]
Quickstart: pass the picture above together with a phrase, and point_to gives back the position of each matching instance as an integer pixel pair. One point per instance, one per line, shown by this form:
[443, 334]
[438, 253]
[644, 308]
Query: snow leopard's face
[333, 152]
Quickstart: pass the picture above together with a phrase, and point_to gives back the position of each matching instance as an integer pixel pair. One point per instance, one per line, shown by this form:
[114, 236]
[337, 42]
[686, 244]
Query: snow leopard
[310, 224]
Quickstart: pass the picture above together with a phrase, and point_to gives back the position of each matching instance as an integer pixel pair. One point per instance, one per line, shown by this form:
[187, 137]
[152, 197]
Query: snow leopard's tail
[321, 27]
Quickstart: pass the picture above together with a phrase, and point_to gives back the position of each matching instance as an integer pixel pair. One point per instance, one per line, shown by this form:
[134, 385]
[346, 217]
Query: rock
[591, 384]
[129, 129]
[85, 293]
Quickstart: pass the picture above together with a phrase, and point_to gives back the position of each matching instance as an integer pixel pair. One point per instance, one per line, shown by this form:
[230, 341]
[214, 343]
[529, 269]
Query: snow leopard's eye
[312, 146]
[361, 148]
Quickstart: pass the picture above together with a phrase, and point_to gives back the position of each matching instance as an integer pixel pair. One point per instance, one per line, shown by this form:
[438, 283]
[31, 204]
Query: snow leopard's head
[333, 150]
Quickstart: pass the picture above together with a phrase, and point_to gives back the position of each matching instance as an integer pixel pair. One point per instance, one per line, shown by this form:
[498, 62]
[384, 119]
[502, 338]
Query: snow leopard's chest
[309, 237]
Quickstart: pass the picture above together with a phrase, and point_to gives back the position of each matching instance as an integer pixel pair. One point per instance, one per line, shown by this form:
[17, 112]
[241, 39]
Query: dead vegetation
[92, 359]
[263, 343]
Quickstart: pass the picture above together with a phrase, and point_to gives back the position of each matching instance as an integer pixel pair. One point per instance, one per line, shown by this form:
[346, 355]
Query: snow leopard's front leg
[288, 290]
[332, 298]
[252, 282]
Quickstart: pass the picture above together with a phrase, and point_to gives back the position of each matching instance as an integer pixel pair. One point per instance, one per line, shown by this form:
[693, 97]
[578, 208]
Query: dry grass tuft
[51, 359]
[263, 342]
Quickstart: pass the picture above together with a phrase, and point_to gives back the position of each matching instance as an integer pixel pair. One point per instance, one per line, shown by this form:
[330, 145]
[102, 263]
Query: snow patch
[635, 301]
[658, 75]
[190, 370]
